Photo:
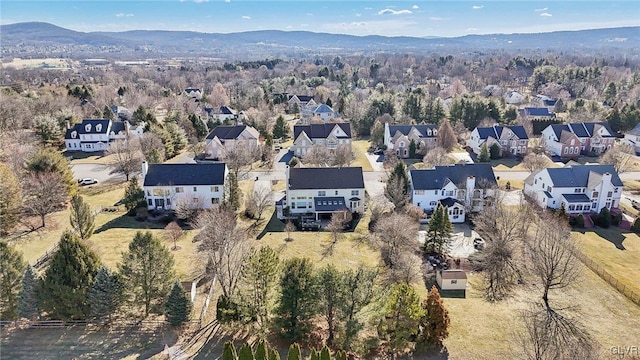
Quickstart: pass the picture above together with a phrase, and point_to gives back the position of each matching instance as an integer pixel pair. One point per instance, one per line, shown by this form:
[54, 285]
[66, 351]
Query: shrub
[636, 226]
[616, 219]
[226, 310]
[579, 221]
[604, 218]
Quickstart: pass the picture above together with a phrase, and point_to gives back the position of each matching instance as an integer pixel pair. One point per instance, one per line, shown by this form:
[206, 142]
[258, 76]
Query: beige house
[399, 137]
[511, 139]
[224, 138]
[451, 279]
[330, 135]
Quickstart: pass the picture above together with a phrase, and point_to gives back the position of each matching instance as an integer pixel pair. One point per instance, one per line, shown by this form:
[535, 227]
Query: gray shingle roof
[326, 178]
[329, 203]
[576, 198]
[185, 174]
[496, 131]
[635, 131]
[226, 132]
[437, 177]
[449, 202]
[578, 175]
[321, 131]
[534, 111]
[404, 129]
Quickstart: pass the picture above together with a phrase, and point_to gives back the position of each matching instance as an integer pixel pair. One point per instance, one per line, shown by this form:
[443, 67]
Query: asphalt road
[95, 171]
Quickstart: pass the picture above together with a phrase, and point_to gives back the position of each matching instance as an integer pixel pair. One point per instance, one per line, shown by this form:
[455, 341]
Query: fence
[42, 260]
[610, 279]
[113, 325]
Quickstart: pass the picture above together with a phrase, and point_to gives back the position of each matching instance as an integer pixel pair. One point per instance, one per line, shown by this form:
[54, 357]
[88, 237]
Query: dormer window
[87, 128]
[435, 132]
[74, 134]
[113, 133]
[429, 132]
[98, 127]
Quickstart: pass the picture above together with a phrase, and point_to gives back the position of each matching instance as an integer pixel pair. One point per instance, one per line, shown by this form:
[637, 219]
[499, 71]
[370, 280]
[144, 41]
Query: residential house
[580, 188]
[541, 113]
[223, 138]
[544, 101]
[492, 90]
[96, 134]
[451, 279]
[319, 192]
[196, 185]
[193, 93]
[121, 112]
[399, 137]
[330, 135]
[300, 101]
[323, 111]
[513, 97]
[570, 140]
[463, 188]
[511, 139]
[221, 113]
[633, 138]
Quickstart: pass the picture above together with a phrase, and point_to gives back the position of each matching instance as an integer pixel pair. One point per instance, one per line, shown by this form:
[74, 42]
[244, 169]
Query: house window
[215, 201]
[322, 193]
[150, 201]
[454, 281]
[87, 127]
[432, 203]
[549, 188]
[572, 207]
[609, 194]
[98, 127]
[436, 192]
[168, 202]
[355, 192]
[195, 189]
[535, 181]
[593, 206]
[579, 207]
[336, 192]
[615, 190]
[179, 189]
[435, 132]
[450, 193]
[419, 192]
[215, 189]
[607, 204]
[595, 194]
[576, 190]
[158, 192]
[566, 150]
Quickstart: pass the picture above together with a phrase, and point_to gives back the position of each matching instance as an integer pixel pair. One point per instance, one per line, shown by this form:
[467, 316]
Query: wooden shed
[451, 279]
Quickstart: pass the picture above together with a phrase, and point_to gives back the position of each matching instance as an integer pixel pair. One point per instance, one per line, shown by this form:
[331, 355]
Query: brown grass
[359, 150]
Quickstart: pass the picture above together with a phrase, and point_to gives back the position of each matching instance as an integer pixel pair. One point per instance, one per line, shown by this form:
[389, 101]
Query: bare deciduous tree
[288, 228]
[317, 155]
[396, 234]
[151, 147]
[126, 157]
[436, 157]
[173, 233]
[343, 155]
[239, 159]
[188, 209]
[259, 199]
[44, 193]
[534, 162]
[621, 156]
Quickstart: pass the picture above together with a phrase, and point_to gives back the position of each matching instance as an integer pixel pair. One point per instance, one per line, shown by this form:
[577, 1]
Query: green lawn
[615, 251]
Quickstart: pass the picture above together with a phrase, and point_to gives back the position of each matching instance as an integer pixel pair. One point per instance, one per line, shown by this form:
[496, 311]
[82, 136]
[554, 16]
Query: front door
[159, 203]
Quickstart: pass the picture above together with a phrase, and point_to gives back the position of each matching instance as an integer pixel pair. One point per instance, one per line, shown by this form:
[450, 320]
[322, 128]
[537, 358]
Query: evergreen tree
[435, 322]
[10, 193]
[12, 267]
[635, 227]
[229, 351]
[331, 296]
[341, 355]
[402, 317]
[298, 299]
[397, 187]
[106, 294]
[439, 232]
[325, 353]
[580, 221]
[178, 136]
[199, 126]
[281, 129]
[245, 352]
[604, 218]
[484, 153]
[68, 279]
[359, 290]
[314, 354]
[412, 149]
[45, 161]
[494, 151]
[81, 218]
[133, 195]
[28, 302]
[48, 130]
[274, 355]
[178, 307]
[147, 272]
[232, 194]
[562, 212]
[260, 277]
[262, 350]
[294, 352]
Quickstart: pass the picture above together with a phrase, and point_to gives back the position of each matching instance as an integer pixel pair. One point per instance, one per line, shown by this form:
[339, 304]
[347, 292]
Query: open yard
[359, 150]
[616, 252]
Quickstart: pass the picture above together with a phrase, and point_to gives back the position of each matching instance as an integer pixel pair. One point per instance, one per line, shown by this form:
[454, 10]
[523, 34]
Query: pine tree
[412, 149]
[147, 272]
[435, 322]
[245, 352]
[274, 355]
[81, 218]
[260, 277]
[397, 187]
[106, 294]
[484, 153]
[229, 351]
[332, 292]
[298, 299]
[10, 193]
[68, 279]
[494, 151]
[12, 267]
[281, 129]
[359, 291]
[325, 353]
[232, 193]
[341, 355]
[314, 354]
[294, 352]
[580, 221]
[439, 232]
[402, 317]
[199, 126]
[262, 350]
[28, 302]
[604, 218]
[178, 307]
[133, 195]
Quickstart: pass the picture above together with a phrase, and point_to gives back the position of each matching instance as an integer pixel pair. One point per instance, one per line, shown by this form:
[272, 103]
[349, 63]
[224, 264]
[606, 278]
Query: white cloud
[358, 15]
[388, 11]
[477, 7]
[200, 1]
[546, 14]
[124, 15]
[309, 14]
[437, 18]
[368, 8]
[471, 29]
[246, 17]
[543, 9]
[227, 1]
[415, 7]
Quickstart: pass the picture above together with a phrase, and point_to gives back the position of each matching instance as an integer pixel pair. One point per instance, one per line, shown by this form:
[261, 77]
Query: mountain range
[28, 37]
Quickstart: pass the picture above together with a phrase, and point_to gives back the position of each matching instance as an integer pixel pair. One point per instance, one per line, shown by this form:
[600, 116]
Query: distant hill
[16, 37]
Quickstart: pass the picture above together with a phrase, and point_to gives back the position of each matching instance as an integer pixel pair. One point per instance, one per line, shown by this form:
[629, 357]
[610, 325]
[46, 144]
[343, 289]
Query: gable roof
[117, 126]
[579, 175]
[81, 128]
[496, 131]
[537, 111]
[324, 108]
[302, 98]
[321, 131]
[326, 178]
[635, 131]
[439, 176]
[453, 274]
[226, 132]
[405, 129]
[185, 174]
[222, 110]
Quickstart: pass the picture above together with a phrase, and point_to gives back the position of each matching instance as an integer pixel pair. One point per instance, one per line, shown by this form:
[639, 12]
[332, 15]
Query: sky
[355, 17]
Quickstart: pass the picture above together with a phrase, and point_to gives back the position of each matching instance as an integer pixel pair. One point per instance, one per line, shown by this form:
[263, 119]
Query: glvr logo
[623, 351]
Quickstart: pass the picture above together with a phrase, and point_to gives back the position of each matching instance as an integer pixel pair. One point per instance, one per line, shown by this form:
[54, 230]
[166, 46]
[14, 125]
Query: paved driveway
[96, 171]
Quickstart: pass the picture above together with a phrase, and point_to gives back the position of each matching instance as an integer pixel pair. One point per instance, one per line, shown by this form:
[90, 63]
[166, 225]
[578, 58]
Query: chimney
[471, 184]
[606, 178]
[145, 169]
[67, 124]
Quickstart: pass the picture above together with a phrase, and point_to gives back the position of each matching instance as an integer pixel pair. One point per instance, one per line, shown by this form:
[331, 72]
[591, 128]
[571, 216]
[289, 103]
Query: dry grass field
[57, 63]
[359, 150]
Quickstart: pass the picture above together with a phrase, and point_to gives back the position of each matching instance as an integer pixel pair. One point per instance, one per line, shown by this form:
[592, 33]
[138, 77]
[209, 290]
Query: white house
[323, 111]
[580, 188]
[221, 113]
[541, 113]
[510, 139]
[193, 93]
[451, 279]
[319, 192]
[570, 140]
[633, 138]
[223, 138]
[399, 137]
[330, 135]
[513, 97]
[462, 188]
[95, 134]
[197, 185]
[300, 101]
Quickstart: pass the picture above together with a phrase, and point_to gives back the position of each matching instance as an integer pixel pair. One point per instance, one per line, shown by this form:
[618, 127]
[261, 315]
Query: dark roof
[543, 111]
[324, 108]
[437, 177]
[576, 198]
[591, 126]
[185, 174]
[549, 102]
[222, 110]
[496, 131]
[94, 122]
[578, 175]
[548, 194]
[321, 131]
[117, 126]
[226, 132]
[519, 130]
[558, 128]
[582, 130]
[329, 203]
[635, 131]
[355, 199]
[449, 202]
[303, 98]
[404, 129]
[453, 274]
[326, 178]
[190, 90]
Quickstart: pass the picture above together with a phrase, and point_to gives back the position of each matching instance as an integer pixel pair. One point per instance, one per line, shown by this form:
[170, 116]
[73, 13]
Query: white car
[87, 181]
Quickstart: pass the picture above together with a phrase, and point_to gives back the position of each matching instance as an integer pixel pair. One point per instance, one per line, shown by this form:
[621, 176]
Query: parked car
[635, 204]
[378, 152]
[87, 181]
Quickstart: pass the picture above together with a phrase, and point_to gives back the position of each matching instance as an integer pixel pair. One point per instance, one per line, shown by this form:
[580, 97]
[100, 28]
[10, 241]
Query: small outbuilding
[451, 279]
